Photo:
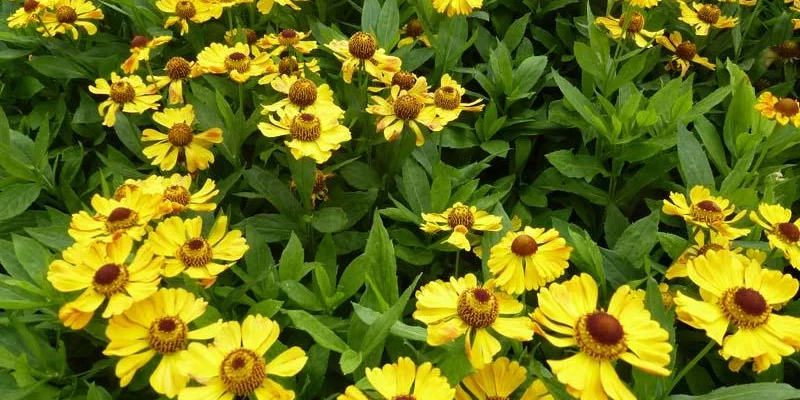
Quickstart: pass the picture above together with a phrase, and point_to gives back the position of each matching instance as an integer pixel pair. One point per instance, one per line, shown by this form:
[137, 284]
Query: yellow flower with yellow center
[186, 250]
[685, 53]
[741, 295]
[456, 7]
[716, 241]
[30, 11]
[180, 143]
[101, 271]
[362, 50]
[620, 27]
[499, 380]
[460, 219]
[115, 218]
[183, 11]
[285, 40]
[528, 259]
[462, 307]
[157, 326]
[234, 61]
[781, 109]
[447, 100]
[265, 6]
[177, 70]
[127, 94]
[235, 366]
[567, 316]
[175, 192]
[65, 16]
[783, 234]
[705, 16]
[314, 135]
[413, 31]
[288, 67]
[302, 95]
[404, 380]
[140, 51]
[705, 211]
[406, 107]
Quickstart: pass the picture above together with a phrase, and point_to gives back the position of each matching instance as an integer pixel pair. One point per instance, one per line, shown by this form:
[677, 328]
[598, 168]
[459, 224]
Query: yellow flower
[460, 219]
[234, 365]
[30, 11]
[68, 16]
[741, 295]
[447, 100]
[404, 79]
[705, 211]
[101, 271]
[716, 242]
[362, 49]
[140, 51]
[528, 259]
[175, 194]
[785, 51]
[303, 94]
[115, 218]
[188, 10]
[781, 109]
[235, 61]
[128, 94]
[781, 232]
[412, 32]
[703, 16]
[625, 331]
[157, 325]
[395, 381]
[180, 143]
[462, 307]
[250, 36]
[643, 3]
[741, 2]
[285, 40]
[313, 134]
[288, 66]
[182, 243]
[667, 295]
[499, 380]
[225, 3]
[456, 7]
[177, 70]
[685, 52]
[265, 6]
[406, 107]
[618, 28]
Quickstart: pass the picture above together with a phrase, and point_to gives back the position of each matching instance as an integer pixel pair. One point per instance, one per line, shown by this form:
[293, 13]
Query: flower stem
[458, 259]
[688, 367]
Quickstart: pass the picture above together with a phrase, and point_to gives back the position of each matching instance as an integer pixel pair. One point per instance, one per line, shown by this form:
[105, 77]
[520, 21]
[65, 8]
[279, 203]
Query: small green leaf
[771, 391]
[576, 165]
[638, 239]
[329, 220]
[322, 335]
[16, 198]
[692, 161]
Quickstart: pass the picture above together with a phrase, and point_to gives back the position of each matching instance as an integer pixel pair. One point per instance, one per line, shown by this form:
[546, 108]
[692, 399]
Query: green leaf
[692, 161]
[322, 335]
[771, 391]
[266, 308]
[516, 32]
[740, 115]
[500, 65]
[378, 331]
[638, 239]
[329, 220]
[369, 15]
[586, 254]
[705, 105]
[277, 192]
[129, 135]
[304, 173]
[97, 393]
[527, 75]
[33, 257]
[349, 361]
[381, 270]
[301, 295]
[582, 105]
[627, 73]
[290, 266]
[399, 329]
[58, 67]
[416, 188]
[16, 198]
[576, 166]
[388, 24]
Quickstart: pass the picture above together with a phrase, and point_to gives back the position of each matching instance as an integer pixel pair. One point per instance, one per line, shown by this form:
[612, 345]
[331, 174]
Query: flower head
[303, 94]
[140, 51]
[461, 219]
[286, 40]
[405, 107]
[67, 16]
[705, 211]
[716, 241]
[265, 6]
[395, 381]
[781, 109]
[177, 70]
[183, 11]
[783, 234]
[175, 192]
[619, 27]
[456, 7]
[704, 16]
[30, 11]
[413, 31]
[685, 53]
[128, 94]
[643, 3]
[447, 100]
[250, 36]
[235, 61]
[288, 67]
[499, 380]
[528, 259]
[313, 134]
[180, 143]
[362, 49]
[114, 218]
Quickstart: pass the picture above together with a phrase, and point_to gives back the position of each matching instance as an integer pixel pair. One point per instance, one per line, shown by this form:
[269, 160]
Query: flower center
[180, 134]
[242, 371]
[404, 397]
[789, 232]
[122, 92]
[711, 246]
[196, 252]
[407, 107]
[600, 336]
[477, 307]
[167, 335]
[414, 28]
[524, 245]
[123, 190]
[362, 45]
[707, 211]
[786, 106]
[288, 66]
[237, 61]
[708, 13]
[138, 41]
[745, 308]
[462, 216]
[637, 22]
[177, 194]
[121, 218]
[110, 279]
[303, 93]
[787, 49]
[405, 80]
[178, 68]
[66, 15]
[305, 127]
[447, 97]
[250, 35]
[185, 9]
[686, 50]
[30, 5]
[288, 37]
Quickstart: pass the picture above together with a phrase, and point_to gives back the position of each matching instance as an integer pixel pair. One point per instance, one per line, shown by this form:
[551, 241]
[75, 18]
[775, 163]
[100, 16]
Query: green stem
[458, 259]
[241, 98]
[690, 365]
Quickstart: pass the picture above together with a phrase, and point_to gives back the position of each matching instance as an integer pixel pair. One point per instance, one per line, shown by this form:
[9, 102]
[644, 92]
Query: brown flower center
[303, 93]
[124, 190]
[788, 49]
[306, 127]
[407, 107]
[404, 397]
[414, 28]
[744, 307]
[122, 92]
[637, 22]
[288, 37]
[66, 15]
[178, 68]
[604, 328]
[711, 246]
[110, 279]
[461, 216]
[185, 9]
[242, 371]
[405, 80]
[447, 97]
[250, 35]
[477, 307]
[237, 61]
[288, 66]
[180, 134]
[138, 41]
[788, 107]
[686, 50]
[196, 252]
[709, 13]
[707, 211]
[600, 336]
[789, 232]
[362, 45]
[30, 5]
[524, 245]
[177, 194]
[167, 335]
[121, 218]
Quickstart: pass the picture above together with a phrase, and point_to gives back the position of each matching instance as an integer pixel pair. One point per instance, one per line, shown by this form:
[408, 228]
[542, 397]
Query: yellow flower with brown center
[462, 307]
[362, 50]
[456, 7]
[265, 6]
[461, 219]
[157, 326]
[65, 16]
[743, 296]
[528, 259]
[101, 271]
[716, 241]
[413, 31]
[287, 67]
[447, 100]
[705, 211]
[180, 143]
[30, 11]
[313, 134]
[140, 51]
[685, 53]
[782, 109]
[620, 27]
[404, 79]
[406, 107]
[183, 11]
[127, 94]
[785, 51]
[113, 218]
[705, 16]
[177, 70]
[175, 192]
[395, 381]
[497, 381]
[234, 61]
[285, 40]
[186, 250]
[783, 234]
[235, 366]
[643, 3]
[302, 94]
[567, 316]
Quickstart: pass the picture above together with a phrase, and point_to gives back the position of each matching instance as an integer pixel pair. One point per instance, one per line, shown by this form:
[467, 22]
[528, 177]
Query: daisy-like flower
[285, 40]
[785, 51]
[68, 16]
[102, 272]
[288, 66]
[395, 381]
[704, 16]
[406, 107]
[175, 192]
[180, 143]
[447, 100]
[625, 331]
[226, 3]
[265, 6]
[499, 380]
[783, 234]
[462, 307]
[742, 296]
[140, 51]
[412, 32]
[643, 3]
[685, 53]
[528, 259]
[302, 94]
[716, 241]
[404, 79]
[456, 7]
[234, 365]
[128, 94]
[362, 49]
[115, 218]
[157, 326]
[234, 61]
[705, 211]
[461, 219]
[313, 134]
[782, 109]
[618, 28]
[30, 11]
[250, 36]
[177, 70]
[183, 11]
[740, 2]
